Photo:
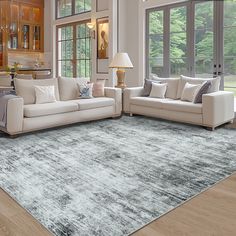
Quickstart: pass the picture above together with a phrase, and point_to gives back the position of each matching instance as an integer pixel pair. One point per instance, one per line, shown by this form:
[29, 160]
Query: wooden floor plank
[211, 213]
[16, 221]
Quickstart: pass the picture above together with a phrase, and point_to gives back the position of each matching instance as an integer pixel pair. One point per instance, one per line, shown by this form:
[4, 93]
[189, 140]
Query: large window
[72, 7]
[195, 38]
[74, 50]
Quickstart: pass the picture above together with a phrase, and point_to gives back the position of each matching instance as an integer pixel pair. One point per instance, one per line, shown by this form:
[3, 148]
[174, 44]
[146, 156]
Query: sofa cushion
[190, 91]
[35, 110]
[182, 106]
[215, 86]
[148, 102]
[68, 87]
[26, 88]
[158, 90]
[172, 86]
[92, 103]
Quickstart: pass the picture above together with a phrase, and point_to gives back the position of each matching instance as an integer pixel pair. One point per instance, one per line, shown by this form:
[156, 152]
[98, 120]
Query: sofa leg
[130, 114]
[210, 128]
[14, 136]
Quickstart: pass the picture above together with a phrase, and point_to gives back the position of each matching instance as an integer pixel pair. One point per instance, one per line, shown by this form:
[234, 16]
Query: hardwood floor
[212, 213]
[15, 221]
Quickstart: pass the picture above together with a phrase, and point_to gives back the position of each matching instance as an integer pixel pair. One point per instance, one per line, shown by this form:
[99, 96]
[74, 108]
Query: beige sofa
[23, 115]
[216, 108]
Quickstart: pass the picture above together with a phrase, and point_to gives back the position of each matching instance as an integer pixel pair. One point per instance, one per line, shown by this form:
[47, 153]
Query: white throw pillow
[215, 86]
[190, 91]
[158, 90]
[45, 94]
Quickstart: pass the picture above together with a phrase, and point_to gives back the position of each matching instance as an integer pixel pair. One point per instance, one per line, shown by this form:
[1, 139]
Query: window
[167, 41]
[194, 38]
[74, 50]
[72, 7]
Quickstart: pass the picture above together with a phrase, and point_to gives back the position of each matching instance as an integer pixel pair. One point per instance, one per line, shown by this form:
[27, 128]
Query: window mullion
[166, 37]
[191, 38]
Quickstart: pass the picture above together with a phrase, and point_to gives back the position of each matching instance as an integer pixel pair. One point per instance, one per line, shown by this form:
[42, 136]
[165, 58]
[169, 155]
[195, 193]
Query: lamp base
[120, 79]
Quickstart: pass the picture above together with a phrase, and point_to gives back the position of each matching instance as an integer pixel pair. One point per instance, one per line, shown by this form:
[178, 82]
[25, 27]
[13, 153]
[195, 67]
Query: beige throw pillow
[158, 90]
[98, 88]
[45, 94]
[190, 91]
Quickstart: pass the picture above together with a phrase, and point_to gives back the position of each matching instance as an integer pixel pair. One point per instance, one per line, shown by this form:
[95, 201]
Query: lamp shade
[121, 60]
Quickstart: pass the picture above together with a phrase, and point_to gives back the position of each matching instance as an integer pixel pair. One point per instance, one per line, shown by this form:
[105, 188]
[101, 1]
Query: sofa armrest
[15, 115]
[218, 108]
[128, 94]
[115, 93]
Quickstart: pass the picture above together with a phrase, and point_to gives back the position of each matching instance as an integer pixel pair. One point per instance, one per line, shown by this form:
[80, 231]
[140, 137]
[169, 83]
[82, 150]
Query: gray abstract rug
[113, 176]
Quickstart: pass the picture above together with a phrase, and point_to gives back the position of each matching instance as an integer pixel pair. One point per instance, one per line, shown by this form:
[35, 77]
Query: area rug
[112, 177]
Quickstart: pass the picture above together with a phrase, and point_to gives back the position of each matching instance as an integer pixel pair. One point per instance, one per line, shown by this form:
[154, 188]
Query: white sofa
[216, 108]
[23, 115]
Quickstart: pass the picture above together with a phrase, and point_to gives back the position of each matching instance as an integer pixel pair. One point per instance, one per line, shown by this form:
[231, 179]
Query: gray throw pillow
[148, 87]
[203, 90]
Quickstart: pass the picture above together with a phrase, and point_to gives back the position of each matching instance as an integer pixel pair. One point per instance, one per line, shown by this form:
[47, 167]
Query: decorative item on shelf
[103, 38]
[91, 26]
[121, 61]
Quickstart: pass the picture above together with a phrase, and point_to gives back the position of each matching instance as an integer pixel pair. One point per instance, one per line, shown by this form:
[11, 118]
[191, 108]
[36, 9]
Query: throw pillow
[203, 90]
[158, 90]
[45, 94]
[148, 87]
[98, 88]
[86, 90]
[190, 91]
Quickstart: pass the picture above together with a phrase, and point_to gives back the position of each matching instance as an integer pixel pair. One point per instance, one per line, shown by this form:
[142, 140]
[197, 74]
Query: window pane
[82, 6]
[178, 20]
[178, 41]
[204, 39]
[229, 46]
[81, 44]
[155, 35]
[204, 15]
[81, 31]
[229, 12]
[65, 69]
[64, 8]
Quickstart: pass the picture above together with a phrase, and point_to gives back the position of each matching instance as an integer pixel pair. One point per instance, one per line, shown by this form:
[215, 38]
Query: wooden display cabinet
[26, 28]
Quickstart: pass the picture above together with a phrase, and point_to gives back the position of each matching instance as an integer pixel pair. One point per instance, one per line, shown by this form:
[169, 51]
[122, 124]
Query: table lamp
[121, 61]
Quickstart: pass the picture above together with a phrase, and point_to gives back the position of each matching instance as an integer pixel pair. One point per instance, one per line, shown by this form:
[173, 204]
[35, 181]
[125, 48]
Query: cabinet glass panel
[25, 36]
[13, 32]
[36, 38]
[26, 13]
[36, 15]
[1, 49]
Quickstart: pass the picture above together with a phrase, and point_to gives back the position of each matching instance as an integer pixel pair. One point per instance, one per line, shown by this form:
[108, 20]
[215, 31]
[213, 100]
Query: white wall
[48, 39]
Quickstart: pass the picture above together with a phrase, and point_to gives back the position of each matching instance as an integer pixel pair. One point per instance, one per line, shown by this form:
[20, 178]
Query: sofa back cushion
[215, 84]
[68, 87]
[172, 86]
[26, 88]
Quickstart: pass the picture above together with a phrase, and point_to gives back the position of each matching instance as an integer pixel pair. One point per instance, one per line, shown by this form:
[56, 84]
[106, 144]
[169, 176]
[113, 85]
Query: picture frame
[103, 38]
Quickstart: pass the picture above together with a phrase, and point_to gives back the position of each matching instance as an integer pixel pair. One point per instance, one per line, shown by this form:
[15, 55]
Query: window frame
[74, 43]
[73, 10]
[166, 36]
